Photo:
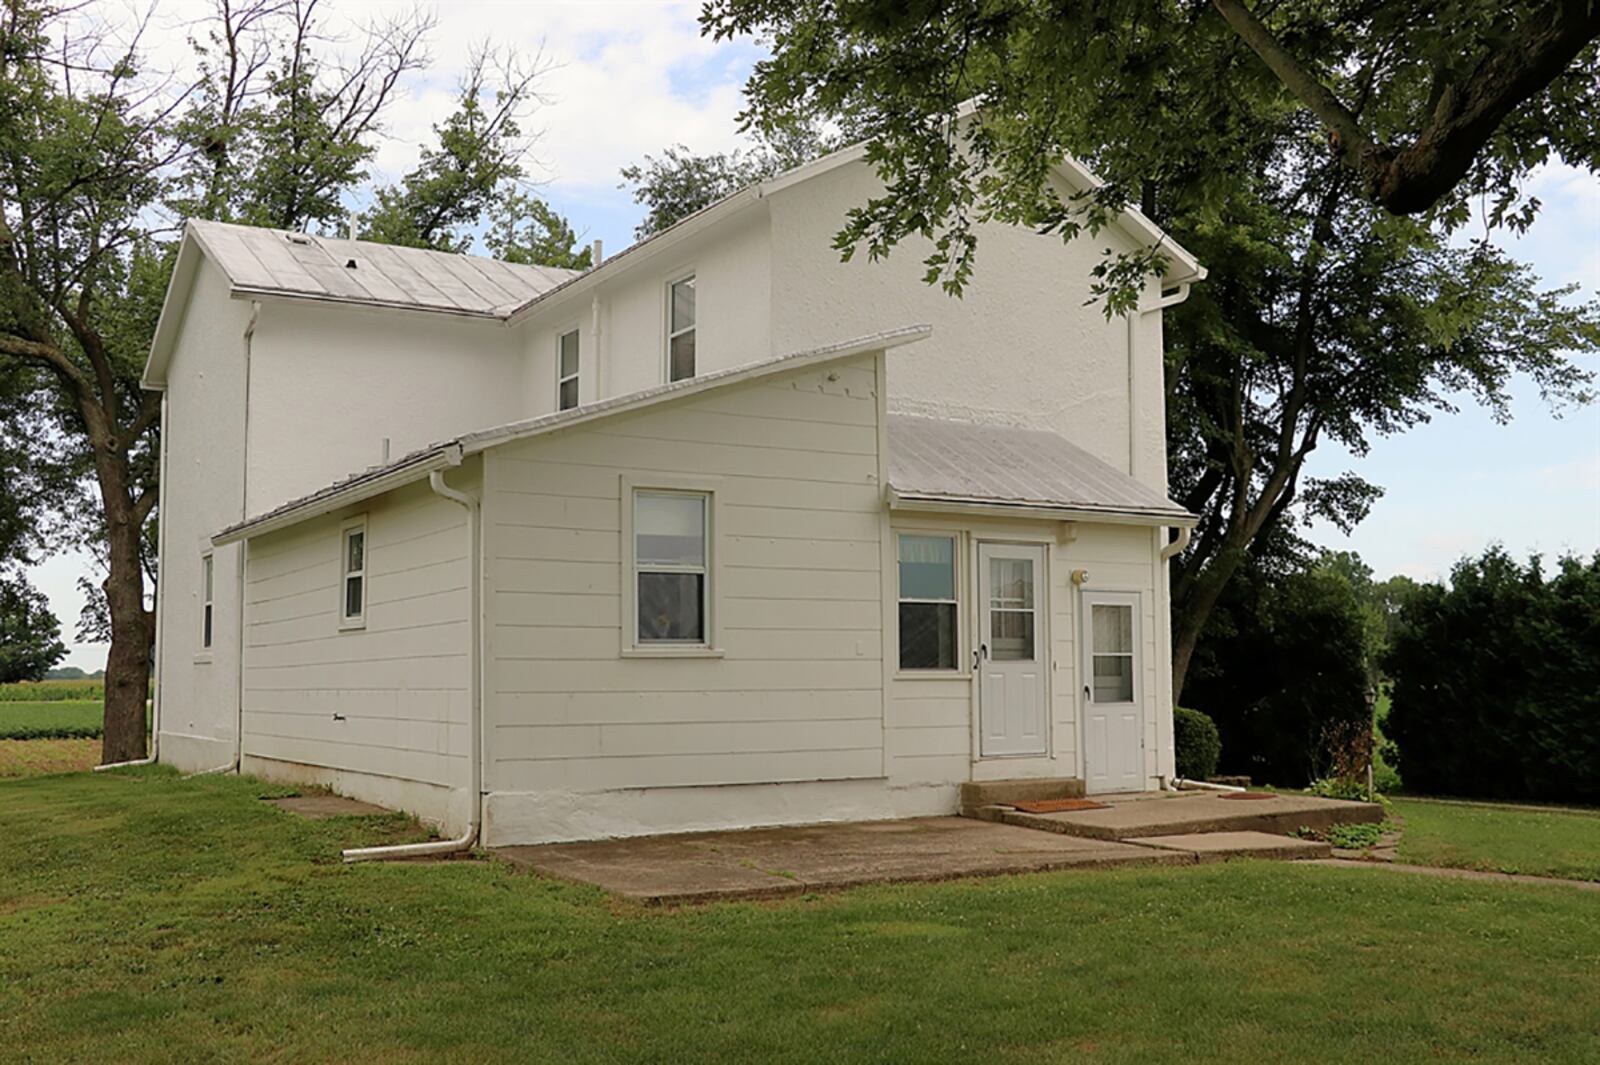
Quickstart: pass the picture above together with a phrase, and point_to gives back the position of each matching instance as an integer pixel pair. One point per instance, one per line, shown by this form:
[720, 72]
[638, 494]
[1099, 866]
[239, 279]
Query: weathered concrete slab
[320, 807]
[1221, 846]
[760, 863]
[1187, 813]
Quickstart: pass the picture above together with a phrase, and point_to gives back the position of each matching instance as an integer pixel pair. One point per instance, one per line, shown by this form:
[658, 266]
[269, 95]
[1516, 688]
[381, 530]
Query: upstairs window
[670, 566]
[567, 371]
[927, 602]
[353, 585]
[207, 613]
[680, 329]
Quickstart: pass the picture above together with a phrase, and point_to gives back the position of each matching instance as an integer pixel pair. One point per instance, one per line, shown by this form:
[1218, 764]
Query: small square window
[681, 330]
[567, 371]
[208, 571]
[353, 575]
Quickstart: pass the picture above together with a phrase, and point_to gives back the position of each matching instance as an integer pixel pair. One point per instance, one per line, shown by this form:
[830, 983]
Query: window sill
[353, 625]
[672, 652]
[203, 658]
[932, 674]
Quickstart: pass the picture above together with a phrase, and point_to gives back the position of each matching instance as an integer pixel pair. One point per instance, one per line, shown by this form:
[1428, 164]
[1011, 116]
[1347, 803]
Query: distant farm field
[53, 691]
[58, 719]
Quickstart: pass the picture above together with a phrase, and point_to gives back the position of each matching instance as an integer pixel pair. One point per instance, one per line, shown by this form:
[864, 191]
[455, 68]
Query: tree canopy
[30, 635]
[100, 161]
[1427, 109]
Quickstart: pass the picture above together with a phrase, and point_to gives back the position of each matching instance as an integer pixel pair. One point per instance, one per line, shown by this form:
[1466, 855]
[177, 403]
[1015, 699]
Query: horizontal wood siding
[390, 699]
[797, 693]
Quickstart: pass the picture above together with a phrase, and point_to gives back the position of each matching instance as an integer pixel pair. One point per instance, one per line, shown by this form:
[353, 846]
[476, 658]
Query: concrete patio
[769, 862]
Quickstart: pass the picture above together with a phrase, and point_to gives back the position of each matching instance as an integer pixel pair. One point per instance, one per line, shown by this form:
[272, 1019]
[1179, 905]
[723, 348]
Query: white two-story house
[721, 532]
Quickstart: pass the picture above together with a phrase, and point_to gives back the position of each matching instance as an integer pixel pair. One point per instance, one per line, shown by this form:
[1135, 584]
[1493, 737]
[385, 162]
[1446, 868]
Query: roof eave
[356, 490]
[929, 503]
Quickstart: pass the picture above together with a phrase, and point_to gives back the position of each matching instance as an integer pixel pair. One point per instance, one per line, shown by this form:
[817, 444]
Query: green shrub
[1340, 788]
[1356, 837]
[1198, 744]
[1282, 659]
[1497, 682]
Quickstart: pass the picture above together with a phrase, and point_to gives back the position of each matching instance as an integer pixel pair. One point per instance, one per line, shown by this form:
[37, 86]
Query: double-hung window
[680, 329]
[567, 371]
[928, 632]
[207, 612]
[671, 567]
[353, 574]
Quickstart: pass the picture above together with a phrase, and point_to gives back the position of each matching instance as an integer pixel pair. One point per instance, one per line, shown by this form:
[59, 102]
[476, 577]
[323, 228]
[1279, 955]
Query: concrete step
[1221, 846]
[1192, 813]
[978, 794]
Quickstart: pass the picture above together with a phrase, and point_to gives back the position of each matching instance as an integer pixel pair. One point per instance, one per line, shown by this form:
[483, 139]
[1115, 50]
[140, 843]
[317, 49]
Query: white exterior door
[1113, 718]
[1010, 655]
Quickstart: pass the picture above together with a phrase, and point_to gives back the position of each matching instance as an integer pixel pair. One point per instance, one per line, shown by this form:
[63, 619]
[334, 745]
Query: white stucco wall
[732, 266]
[329, 383]
[379, 712]
[1020, 347]
[201, 493]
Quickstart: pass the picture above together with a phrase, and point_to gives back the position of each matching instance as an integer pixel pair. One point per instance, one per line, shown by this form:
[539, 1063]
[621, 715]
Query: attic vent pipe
[596, 253]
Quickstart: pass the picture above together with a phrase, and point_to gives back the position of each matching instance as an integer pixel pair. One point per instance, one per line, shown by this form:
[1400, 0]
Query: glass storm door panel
[1113, 718]
[1010, 655]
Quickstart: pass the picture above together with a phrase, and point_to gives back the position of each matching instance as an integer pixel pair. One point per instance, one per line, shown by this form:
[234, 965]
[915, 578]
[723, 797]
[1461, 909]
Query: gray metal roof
[278, 262]
[938, 461]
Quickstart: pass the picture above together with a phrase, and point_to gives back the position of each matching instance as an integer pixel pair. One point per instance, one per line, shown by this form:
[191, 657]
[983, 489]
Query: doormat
[1055, 806]
[1249, 795]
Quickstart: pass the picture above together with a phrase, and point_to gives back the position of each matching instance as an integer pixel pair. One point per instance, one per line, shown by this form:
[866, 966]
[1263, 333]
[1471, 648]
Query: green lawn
[1501, 839]
[51, 719]
[148, 918]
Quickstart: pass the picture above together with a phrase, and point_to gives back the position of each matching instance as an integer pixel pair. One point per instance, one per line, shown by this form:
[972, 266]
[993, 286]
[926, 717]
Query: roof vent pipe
[596, 254]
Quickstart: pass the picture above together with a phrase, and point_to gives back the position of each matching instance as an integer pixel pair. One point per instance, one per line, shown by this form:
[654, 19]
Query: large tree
[1326, 316]
[30, 635]
[100, 161]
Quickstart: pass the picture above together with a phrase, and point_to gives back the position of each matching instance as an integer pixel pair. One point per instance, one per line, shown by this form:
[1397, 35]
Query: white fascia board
[335, 497]
[1185, 267]
[472, 443]
[925, 504]
[173, 305]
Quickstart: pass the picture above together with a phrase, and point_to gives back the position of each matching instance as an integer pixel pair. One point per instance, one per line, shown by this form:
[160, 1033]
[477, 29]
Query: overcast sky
[630, 78]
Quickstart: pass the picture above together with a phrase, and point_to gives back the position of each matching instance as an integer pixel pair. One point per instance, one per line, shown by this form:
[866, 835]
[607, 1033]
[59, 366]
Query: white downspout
[466, 840]
[1184, 532]
[161, 614]
[244, 555]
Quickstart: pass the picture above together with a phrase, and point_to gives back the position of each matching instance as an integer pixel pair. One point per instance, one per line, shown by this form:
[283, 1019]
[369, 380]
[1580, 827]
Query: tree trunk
[1193, 610]
[127, 684]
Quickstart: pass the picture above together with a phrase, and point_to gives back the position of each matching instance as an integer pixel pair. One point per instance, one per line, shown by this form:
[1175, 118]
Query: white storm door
[1010, 655]
[1113, 720]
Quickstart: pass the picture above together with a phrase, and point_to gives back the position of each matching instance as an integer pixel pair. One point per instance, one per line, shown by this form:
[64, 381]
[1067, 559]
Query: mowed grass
[51, 719]
[1501, 839]
[148, 918]
[31, 758]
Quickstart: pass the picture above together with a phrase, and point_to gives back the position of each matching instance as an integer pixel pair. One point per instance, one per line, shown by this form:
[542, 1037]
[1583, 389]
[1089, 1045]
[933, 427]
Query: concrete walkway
[1479, 875]
[769, 862]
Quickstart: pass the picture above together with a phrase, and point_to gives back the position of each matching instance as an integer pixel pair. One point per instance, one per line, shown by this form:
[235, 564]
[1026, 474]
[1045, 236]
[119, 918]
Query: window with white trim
[567, 370]
[671, 567]
[928, 625]
[680, 329]
[208, 571]
[353, 573]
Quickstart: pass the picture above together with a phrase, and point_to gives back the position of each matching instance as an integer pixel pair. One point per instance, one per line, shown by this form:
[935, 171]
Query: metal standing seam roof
[934, 460]
[279, 262]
